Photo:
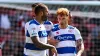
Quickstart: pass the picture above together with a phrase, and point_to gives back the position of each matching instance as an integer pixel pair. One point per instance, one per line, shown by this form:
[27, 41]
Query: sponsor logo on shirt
[34, 33]
[64, 37]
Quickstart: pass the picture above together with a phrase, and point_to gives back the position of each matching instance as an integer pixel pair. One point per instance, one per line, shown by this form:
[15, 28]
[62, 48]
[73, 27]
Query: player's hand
[54, 51]
[53, 42]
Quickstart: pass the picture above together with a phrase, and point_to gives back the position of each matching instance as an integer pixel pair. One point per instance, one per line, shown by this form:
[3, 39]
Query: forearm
[41, 45]
[44, 46]
[80, 47]
[81, 50]
[52, 41]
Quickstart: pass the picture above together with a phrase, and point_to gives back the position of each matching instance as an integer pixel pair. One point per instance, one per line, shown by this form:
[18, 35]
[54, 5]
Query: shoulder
[76, 30]
[30, 23]
[33, 22]
[26, 24]
[48, 22]
[55, 27]
[71, 27]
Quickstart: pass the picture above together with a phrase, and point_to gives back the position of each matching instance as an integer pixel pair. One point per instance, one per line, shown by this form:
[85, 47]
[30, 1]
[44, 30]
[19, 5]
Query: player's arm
[43, 45]
[80, 47]
[79, 42]
[35, 39]
[40, 44]
[52, 41]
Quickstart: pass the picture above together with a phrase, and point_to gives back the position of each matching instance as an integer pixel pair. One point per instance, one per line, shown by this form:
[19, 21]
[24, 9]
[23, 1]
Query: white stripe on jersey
[48, 27]
[63, 31]
[66, 43]
[34, 52]
[28, 40]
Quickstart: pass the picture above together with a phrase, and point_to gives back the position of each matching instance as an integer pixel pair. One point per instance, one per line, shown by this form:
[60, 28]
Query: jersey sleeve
[51, 34]
[77, 34]
[32, 29]
[26, 26]
[49, 27]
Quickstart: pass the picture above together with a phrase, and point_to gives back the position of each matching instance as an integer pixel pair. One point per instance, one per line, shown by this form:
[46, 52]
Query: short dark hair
[39, 8]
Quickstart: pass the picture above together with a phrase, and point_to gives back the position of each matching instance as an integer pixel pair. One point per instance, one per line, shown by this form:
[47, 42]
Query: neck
[39, 20]
[63, 26]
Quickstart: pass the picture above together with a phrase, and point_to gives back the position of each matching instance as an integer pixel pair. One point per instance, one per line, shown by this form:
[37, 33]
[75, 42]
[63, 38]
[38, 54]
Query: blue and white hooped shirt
[67, 38]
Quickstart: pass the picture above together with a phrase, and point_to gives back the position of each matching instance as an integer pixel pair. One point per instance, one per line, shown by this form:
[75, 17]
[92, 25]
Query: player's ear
[41, 13]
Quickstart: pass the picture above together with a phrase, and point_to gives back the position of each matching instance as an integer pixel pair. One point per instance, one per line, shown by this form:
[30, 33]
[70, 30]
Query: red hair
[65, 11]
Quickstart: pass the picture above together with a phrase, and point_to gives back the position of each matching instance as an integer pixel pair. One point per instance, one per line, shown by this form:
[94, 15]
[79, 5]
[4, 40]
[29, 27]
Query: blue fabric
[55, 29]
[63, 50]
[48, 22]
[42, 34]
[31, 47]
[27, 34]
[48, 32]
[34, 22]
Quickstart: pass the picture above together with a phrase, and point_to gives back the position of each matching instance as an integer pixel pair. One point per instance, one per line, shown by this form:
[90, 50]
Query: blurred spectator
[7, 49]
[29, 15]
[21, 22]
[96, 45]
[89, 24]
[79, 23]
[96, 29]
[18, 50]
[76, 21]
[14, 45]
[52, 17]
[5, 22]
[88, 44]
[13, 19]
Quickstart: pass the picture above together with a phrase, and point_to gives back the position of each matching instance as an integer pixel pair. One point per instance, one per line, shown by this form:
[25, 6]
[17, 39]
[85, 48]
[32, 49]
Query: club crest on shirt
[33, 28]
[70, 30]
[57, 32]
[34, 33]
[47, 27]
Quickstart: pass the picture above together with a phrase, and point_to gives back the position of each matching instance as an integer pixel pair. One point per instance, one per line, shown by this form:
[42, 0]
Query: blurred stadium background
[15, 13]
